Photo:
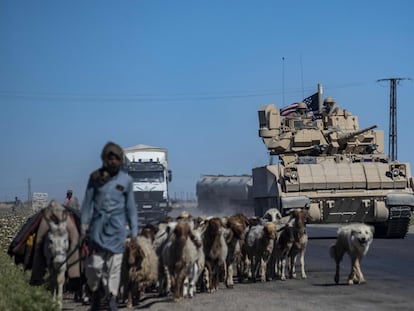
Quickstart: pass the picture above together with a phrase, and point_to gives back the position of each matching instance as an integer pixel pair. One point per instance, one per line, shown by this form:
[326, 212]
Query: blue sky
[185, 75]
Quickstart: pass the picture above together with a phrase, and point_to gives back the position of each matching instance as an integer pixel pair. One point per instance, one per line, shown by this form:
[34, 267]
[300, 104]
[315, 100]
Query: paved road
[388, 269]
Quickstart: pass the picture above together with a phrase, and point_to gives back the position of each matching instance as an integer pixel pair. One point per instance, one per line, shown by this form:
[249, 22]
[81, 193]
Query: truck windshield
[146, 176]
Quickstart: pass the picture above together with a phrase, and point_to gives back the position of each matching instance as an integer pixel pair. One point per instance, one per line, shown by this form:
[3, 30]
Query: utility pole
[392, 138]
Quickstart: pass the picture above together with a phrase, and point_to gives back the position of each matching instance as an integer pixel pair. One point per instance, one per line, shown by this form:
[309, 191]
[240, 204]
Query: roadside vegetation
[15, 292]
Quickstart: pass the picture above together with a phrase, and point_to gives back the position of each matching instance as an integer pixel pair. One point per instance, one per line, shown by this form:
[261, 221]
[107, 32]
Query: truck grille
[148, 196]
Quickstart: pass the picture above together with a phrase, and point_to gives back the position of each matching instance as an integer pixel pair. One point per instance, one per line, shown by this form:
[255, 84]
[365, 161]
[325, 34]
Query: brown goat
[237, 225]
[139, 269]
[179, 255]
[299, 217]
[215, 250]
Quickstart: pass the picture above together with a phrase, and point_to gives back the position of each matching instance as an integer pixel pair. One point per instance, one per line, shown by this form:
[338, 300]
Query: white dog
[355, 240]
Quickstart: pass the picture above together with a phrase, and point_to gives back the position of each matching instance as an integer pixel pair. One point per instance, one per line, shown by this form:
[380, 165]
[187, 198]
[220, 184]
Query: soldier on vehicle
[301, 111]
[330, 107]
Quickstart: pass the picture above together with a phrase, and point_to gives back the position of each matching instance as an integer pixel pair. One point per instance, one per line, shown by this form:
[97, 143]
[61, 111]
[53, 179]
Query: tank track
[398, 228]
[395, 228]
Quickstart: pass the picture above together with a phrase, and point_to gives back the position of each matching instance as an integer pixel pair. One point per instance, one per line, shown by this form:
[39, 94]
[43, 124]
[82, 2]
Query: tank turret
[314, 136]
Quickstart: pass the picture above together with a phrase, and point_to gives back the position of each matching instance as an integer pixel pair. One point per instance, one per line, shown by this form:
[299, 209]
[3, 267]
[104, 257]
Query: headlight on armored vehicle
[398, 170]
[291, 173]
[395, 172]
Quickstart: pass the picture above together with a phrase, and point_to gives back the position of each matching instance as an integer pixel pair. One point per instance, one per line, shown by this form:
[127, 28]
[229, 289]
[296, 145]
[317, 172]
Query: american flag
[288, 109]
[312, 102]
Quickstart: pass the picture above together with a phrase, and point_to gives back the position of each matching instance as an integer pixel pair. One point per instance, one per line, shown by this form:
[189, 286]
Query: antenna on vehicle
[283, 81]
[301, 74]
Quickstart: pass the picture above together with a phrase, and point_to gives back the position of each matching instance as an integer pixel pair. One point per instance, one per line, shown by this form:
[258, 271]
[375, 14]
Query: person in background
[71, 200]
[16, 205]
[107, 209]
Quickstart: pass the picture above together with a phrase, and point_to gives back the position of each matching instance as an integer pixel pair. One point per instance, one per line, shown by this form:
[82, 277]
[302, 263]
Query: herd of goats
[185, 255]
[198, 253]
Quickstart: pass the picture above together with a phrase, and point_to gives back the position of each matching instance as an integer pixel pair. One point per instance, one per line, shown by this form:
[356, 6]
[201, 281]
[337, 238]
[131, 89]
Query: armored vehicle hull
[336, 170]
[337, 193]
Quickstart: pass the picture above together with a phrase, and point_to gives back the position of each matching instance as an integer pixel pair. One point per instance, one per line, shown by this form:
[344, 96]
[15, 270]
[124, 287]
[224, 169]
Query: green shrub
[15, 292]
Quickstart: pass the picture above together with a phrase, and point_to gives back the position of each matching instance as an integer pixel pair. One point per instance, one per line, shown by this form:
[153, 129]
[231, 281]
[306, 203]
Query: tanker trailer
[332, 167]
[225, 194]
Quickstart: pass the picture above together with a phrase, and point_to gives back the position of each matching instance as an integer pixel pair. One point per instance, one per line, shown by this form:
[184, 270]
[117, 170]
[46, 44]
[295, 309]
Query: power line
[136, 97]
[392, 138]
[65, 96]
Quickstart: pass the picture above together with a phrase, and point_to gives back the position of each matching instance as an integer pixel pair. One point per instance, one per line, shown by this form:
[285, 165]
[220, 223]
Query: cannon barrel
[344, 138]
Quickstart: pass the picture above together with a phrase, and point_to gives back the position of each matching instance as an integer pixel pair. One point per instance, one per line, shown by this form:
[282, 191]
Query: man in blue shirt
[108, 210]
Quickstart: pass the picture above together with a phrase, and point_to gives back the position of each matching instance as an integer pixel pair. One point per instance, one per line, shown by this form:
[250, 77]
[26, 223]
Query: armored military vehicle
[329, 165]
